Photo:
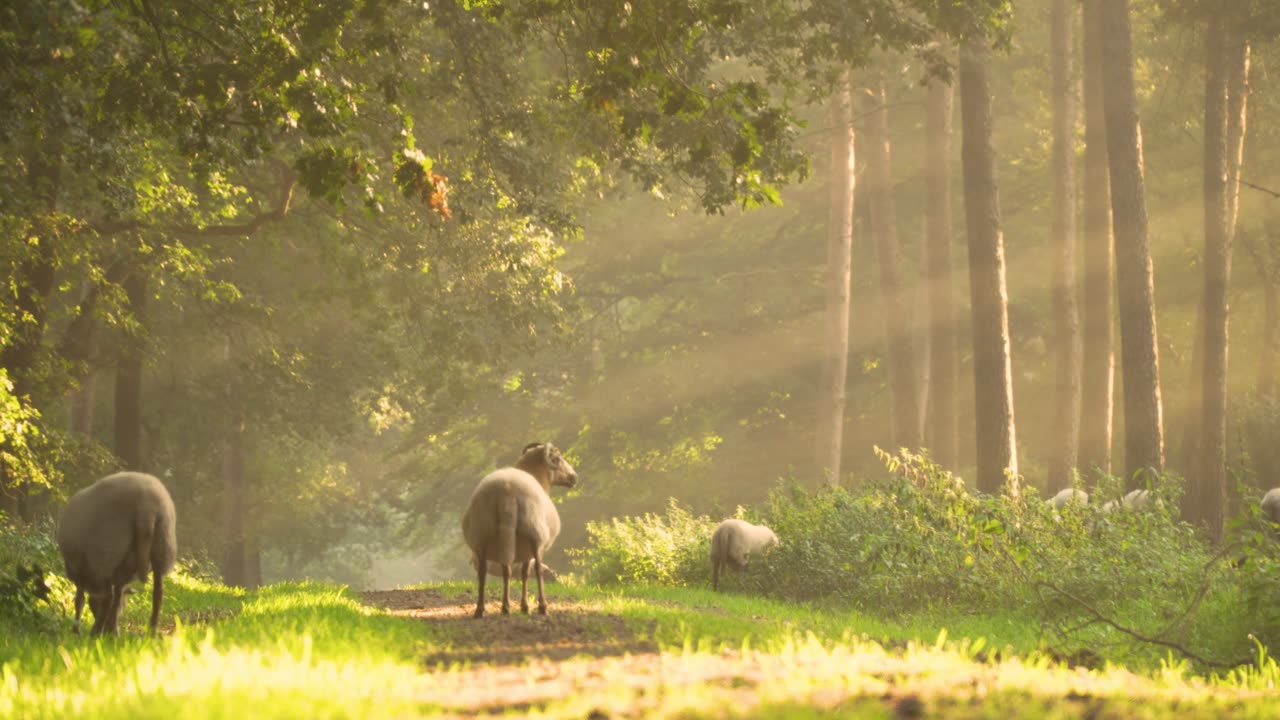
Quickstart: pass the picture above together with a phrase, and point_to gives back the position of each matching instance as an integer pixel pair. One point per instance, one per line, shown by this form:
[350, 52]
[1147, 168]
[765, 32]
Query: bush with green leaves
[670, 549]
[917, 538]
[28, 556]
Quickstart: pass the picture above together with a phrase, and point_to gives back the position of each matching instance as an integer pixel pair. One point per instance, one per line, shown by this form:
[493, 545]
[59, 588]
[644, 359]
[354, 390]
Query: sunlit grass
[307, 650]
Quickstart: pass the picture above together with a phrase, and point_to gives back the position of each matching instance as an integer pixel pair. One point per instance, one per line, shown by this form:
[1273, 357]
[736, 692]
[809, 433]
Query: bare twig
[1260, 188]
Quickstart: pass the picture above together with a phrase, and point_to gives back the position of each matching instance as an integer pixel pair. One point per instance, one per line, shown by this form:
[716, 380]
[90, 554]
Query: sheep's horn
[531, 446]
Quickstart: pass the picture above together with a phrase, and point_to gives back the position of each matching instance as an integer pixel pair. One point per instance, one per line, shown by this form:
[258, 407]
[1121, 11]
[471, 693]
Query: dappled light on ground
[583, 661]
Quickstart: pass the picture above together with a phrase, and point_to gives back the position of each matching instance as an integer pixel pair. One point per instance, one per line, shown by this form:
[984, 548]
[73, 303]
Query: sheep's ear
[549, 454]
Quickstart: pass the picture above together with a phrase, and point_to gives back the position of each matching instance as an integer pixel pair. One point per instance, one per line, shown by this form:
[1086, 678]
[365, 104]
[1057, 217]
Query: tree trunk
[1267, 359]
[835, 358]
[253, 562]
[1264, 255]
[1135, 278]
[1206, 497]
[1238, 58]
[896, 305]
[128, 406]
[993, 373]
[83, 402]
[234, 570]
[1097, 384]
[1066, 317]
[944, 421]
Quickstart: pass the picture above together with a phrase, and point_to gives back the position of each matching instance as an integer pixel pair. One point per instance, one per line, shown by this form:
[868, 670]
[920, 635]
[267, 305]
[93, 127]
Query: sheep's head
[559, 470]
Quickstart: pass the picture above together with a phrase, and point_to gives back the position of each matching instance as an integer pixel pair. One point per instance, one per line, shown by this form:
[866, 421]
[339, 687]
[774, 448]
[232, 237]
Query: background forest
[322, 268]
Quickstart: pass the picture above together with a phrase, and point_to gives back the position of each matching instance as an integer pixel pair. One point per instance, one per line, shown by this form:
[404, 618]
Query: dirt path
[497, 664]
[568, 630]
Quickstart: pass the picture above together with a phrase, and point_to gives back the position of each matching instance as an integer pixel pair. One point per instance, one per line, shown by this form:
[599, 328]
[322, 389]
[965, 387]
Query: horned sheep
[510, 520]
[112, 533]
[733, 543]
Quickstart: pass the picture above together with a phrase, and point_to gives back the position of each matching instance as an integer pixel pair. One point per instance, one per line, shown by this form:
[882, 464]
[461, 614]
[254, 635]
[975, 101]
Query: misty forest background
[322, 268]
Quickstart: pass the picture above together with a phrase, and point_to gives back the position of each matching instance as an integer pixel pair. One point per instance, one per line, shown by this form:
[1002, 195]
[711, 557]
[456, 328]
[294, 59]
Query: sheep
[495, 569]
[1063, 498]
[732, 544]
[114, 532]
[1271, 505]
[511, 520]
[1133, 500]
[1069, 495]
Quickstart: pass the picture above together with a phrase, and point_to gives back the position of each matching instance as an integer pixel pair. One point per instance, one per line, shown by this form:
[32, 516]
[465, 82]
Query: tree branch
[1259, 188]
[236, 230]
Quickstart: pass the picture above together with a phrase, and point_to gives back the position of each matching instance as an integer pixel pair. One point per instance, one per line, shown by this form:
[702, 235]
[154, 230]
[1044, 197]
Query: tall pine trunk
[1206, 499]
[835, 356]
[235, 570]
[1097, 383]
[128, 401]
[895, 300]
[1135, 277]
[1066, 316]
[944, 374]
[993, 374]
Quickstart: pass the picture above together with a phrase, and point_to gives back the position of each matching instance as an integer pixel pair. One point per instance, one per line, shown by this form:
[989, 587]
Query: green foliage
[668, 549]
[27, 554]
[23, 595]
[917, 541]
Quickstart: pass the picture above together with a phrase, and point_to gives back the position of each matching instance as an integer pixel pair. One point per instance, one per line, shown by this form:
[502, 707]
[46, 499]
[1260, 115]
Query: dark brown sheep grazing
[116, 531]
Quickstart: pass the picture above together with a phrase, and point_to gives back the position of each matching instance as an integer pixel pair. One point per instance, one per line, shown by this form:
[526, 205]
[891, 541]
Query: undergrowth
[1106, 584]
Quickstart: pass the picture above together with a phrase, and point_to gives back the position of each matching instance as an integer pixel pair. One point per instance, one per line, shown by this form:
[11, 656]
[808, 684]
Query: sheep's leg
[482, 567]
[117, 608]
[537, 568]
[524, 588]
[715, 575]
[100, 604]
[75, 628]
[506, 589]
[157, 597]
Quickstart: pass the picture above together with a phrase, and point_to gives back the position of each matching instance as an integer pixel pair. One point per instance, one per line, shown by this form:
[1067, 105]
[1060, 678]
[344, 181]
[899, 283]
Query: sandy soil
[512, 663]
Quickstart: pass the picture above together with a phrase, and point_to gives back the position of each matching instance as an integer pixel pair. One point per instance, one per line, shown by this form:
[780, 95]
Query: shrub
[28, 557]
[670, 549]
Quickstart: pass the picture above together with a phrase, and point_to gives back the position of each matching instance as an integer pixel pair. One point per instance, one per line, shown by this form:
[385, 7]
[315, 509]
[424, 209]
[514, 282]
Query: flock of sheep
[1142, 499]
[123, 527]
[510, 523]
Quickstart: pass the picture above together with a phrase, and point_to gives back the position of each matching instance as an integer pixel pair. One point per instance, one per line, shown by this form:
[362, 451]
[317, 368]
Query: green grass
[308, 650]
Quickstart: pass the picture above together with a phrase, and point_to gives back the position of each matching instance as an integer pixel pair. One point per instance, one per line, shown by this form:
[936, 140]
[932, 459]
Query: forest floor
[295, 650]
[604, 656]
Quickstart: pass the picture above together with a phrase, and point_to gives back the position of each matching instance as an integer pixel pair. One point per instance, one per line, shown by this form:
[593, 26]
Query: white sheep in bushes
[1133, 500]
[510, 520]
[1271, 505]
[733, 543]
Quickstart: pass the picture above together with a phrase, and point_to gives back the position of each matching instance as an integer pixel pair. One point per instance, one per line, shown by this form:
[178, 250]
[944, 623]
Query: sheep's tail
[508, 515]
[144, 533]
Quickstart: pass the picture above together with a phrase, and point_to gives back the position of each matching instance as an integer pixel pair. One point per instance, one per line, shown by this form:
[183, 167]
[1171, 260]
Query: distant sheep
[510, 520]
[733, 543]
[1134, 500]
[1271, 505]
[1069, 495]
[112, 533]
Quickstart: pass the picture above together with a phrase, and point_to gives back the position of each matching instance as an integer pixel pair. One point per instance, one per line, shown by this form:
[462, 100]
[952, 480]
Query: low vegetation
[1130, 586]
[904, 597]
